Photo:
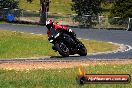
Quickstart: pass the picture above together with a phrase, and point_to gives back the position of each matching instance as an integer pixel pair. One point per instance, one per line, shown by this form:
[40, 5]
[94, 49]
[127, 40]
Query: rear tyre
[62, 49]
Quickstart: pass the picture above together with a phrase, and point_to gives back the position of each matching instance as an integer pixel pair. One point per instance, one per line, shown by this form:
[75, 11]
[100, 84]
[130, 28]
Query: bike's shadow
[70, 57]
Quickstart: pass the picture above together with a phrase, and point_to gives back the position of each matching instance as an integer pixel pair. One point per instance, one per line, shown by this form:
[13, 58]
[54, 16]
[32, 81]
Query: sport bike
[66, 43]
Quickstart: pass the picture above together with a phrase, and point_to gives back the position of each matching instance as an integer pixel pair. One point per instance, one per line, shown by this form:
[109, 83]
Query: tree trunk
[43, 12]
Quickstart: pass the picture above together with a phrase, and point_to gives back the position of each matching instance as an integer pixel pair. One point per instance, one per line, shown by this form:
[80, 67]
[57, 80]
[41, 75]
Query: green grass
[94, 46]
[15, 45]
[21, 45]
[34, 6]
[60, 78]
[56, 6]
[61, 6]
[3, 22]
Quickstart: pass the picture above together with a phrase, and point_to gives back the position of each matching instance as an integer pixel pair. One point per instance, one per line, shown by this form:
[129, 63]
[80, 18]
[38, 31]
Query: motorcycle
[66, 44]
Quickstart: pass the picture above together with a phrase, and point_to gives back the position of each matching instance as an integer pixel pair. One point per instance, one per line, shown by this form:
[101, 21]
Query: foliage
[118, 21]
[11, 4]
[122, 8]
[86, 7]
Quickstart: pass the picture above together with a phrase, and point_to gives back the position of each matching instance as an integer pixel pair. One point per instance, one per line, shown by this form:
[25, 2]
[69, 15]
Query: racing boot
[53, 47]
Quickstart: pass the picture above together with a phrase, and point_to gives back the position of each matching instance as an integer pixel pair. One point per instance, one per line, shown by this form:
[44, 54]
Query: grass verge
[59, 6]
[60, 78]
[34, 6]
[3, 22]
[21, 45]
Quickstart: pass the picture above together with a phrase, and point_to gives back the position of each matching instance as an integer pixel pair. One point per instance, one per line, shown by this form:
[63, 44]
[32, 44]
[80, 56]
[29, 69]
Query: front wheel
[82, 51]
[62, 49]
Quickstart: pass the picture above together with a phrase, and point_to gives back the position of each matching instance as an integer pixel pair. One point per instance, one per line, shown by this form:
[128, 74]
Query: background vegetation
[122, 8]
[11, 4]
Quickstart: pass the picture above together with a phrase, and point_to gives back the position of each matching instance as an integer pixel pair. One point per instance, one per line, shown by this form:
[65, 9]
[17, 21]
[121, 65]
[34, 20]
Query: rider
[52, 28]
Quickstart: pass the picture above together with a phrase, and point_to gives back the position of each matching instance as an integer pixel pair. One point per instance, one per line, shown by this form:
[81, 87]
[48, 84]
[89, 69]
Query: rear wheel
[62, 49]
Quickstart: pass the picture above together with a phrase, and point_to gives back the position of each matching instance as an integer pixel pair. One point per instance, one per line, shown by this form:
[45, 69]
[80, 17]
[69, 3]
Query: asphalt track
[116, 36]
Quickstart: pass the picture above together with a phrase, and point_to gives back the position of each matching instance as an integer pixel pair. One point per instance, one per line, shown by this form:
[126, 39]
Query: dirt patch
[58, 65]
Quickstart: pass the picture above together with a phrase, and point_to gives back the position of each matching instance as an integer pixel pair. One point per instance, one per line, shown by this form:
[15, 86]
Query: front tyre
[82, 51]
[62, 49]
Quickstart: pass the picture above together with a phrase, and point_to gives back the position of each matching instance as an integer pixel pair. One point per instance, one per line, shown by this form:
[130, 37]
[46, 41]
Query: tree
[122, 8]
[10, 4]
[88, 8]
[43, 10]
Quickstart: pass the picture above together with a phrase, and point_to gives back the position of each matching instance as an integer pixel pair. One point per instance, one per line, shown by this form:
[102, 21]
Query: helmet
[49, 24]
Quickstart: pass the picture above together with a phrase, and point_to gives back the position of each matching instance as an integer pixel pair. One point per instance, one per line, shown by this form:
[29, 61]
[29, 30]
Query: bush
[85, 9]
[10, 4]
[118, 21]
[122, 8]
